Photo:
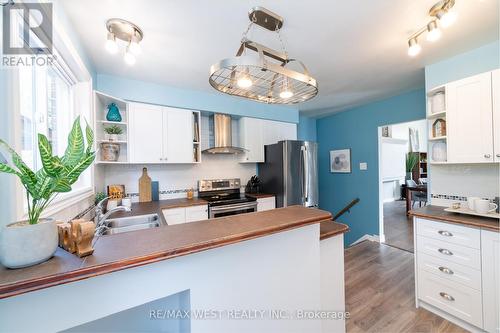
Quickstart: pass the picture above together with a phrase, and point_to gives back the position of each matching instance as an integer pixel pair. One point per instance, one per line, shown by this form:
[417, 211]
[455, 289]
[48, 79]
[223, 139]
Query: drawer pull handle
[445, 251]
[446, 270]
[447, 297]
[445, 233]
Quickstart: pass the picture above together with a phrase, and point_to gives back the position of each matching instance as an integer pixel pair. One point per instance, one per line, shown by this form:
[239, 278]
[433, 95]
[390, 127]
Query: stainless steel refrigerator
[290, 171]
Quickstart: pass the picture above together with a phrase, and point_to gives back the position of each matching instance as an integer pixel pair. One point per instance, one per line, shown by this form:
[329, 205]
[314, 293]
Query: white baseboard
[371, 238]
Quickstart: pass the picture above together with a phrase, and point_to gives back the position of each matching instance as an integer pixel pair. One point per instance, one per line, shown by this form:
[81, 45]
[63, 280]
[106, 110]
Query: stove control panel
[218, 184]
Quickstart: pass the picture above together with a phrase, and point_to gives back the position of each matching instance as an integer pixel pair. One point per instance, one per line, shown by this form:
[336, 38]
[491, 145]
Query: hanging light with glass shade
[264, 74]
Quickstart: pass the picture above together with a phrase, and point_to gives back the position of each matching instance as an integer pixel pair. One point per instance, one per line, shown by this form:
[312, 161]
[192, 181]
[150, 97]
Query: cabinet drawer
[174, 215]
[196, 213]
[450, 271]
[456, 234]
[460, 301]
[266, 204]
[449, 252]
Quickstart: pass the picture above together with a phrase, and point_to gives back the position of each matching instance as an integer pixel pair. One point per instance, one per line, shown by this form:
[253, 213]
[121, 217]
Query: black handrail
[346, 209]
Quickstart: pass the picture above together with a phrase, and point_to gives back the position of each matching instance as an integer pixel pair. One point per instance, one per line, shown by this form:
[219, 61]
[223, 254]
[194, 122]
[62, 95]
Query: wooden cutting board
[145, 186]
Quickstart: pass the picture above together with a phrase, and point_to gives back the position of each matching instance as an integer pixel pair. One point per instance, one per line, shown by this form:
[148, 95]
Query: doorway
[402, 180]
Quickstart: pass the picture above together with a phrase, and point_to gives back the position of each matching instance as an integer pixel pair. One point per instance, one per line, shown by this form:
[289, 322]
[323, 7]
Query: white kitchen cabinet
[196, 213]
[264, 204]
[490, 250]
[177, 135]
[469, 120]
[495, 84]
[146, 133]
[160, 134]
[185, 214]
[256, 133]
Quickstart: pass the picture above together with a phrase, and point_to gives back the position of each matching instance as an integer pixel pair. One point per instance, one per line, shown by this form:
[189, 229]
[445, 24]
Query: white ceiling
[356, 49]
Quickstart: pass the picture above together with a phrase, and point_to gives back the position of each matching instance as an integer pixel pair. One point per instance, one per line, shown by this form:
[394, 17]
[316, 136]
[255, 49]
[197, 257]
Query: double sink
[132, 223]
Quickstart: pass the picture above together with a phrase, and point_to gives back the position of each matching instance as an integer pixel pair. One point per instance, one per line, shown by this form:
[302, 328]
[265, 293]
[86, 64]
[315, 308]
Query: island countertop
[438, 213]
[121, 251]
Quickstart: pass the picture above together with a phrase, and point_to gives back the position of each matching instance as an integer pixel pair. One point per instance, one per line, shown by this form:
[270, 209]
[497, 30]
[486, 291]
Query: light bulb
[244, 80]
[414, 48]
[111, 45]
[134, 46]
[286, 92]
[433, 32]
[129, 57]
[447, 18]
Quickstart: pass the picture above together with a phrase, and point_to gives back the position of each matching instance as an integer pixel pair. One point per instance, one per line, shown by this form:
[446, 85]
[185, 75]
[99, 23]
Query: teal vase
[113, 113]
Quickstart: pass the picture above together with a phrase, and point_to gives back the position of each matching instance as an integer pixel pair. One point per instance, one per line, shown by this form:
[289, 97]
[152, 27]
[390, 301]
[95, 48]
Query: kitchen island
[231, 264]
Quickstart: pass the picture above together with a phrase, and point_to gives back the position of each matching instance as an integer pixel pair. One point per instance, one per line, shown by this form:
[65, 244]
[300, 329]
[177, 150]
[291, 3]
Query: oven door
[234, 209]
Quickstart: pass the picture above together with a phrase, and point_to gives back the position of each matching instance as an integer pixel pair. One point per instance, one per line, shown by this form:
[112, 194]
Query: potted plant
[411, 162]
[35, 240]
[113, 132]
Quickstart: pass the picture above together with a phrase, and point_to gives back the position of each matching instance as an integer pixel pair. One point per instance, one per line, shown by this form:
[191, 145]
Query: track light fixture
[442, 15]
[127, 32]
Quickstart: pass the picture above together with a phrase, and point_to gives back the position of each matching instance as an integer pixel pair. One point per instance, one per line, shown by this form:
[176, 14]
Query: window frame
[70, 63]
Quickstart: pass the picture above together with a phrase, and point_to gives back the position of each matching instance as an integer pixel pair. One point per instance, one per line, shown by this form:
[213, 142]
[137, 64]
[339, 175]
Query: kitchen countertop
[438, 213]
[259, 195]
[131, 249]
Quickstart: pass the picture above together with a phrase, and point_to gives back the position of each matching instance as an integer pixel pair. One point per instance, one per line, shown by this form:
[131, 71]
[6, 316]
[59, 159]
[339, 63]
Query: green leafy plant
[57, 174]
[99, 197]
[115, 129]
[411, 161]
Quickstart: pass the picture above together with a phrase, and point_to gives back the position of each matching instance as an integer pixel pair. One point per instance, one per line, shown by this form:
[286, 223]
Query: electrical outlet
[363, 166]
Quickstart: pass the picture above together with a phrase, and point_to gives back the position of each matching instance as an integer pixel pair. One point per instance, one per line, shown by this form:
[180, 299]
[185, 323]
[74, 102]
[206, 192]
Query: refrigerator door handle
[305, 173]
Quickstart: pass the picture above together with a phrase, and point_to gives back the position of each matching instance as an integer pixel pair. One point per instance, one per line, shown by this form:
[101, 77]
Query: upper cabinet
[162, 134]
[469, 120]
[256, 133]
[465, 116]
[496, 113]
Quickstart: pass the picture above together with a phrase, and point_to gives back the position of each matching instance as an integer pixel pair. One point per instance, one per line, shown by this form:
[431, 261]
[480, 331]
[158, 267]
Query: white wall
[401, 131]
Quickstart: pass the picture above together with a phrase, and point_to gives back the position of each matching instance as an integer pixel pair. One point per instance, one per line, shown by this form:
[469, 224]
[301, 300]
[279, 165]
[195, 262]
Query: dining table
[409, 190]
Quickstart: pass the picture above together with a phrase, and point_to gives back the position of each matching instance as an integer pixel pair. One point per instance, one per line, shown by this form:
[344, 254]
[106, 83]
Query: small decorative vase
[23, 244]
[113, 113]
[110, 152]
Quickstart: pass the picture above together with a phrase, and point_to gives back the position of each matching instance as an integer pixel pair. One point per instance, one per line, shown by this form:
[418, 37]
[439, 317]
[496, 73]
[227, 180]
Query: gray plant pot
[23, 244]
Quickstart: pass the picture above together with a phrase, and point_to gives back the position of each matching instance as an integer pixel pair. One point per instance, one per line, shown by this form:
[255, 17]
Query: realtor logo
[27, 28]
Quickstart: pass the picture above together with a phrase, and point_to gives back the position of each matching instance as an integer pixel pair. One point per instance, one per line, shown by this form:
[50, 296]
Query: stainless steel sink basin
[132, 223]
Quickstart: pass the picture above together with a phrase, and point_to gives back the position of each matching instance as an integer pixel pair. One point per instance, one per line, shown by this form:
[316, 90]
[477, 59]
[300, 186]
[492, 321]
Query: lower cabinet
[266, 204]
[457, 273]
[185, 214]
[490, 248]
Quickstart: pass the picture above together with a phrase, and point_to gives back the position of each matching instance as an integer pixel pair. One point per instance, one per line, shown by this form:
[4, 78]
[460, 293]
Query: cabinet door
[178, 136]
[251, 138]
[469, 120]
[496, 112]
[175, 215]
[145, 135]
[196, 213]
[490, 253]
[275, 131]
[264, 204]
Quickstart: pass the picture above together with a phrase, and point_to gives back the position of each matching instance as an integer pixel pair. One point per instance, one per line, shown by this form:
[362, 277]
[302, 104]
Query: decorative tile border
[451, 197]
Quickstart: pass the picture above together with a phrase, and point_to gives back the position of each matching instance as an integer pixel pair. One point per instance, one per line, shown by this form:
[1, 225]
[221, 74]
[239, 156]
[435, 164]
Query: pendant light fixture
[263, 75]
[127, 32]
[442, 14]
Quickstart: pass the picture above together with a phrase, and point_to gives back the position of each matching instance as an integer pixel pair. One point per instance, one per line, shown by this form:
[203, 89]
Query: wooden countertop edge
[331, 228]
[15, 289]
[450, 219]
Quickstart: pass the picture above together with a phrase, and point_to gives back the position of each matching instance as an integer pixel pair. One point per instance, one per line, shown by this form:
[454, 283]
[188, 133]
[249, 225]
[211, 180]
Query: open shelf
[106, 122]
[441, 114]
[437, 138]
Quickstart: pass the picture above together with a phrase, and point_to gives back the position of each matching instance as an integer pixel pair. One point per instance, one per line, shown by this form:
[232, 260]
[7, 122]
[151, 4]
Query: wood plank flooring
[380, 292]
[398, 228]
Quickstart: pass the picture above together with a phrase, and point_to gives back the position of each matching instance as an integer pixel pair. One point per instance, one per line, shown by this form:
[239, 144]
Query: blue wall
[357, 129]
[147, 92]
[480, 60]
[306, 129]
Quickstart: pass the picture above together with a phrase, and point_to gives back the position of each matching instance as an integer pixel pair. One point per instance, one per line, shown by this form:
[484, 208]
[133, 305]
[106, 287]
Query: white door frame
[380, 188]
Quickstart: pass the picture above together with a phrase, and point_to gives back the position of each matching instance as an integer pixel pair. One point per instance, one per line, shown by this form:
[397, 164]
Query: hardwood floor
[398, 228]
[380, 292]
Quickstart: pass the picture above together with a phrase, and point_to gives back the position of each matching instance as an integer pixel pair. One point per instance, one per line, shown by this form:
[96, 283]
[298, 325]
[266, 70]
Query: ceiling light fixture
[128, 33]
[264, 76]
[441, 13]
[433, 32]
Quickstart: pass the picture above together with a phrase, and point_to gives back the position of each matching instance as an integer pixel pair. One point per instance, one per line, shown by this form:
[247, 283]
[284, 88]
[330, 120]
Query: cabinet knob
[487, 155]
[446, 296]
[446, 270]
[445, 233]
[498, 155]
[161, 159]
[445, 251]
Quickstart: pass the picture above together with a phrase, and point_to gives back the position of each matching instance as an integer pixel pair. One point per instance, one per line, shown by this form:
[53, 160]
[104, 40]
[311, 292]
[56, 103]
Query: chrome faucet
[100, 218]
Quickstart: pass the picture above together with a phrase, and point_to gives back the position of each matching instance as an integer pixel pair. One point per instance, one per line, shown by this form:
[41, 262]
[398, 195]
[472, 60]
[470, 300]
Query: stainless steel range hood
[222, 130]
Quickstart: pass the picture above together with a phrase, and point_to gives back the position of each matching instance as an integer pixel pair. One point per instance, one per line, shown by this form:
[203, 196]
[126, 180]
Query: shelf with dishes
[436, 122]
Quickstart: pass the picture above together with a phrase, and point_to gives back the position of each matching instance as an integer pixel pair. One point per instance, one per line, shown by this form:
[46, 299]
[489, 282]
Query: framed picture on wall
[340, 161]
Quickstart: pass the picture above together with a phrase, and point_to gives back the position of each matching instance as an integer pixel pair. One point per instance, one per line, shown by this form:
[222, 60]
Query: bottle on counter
[190, 194]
